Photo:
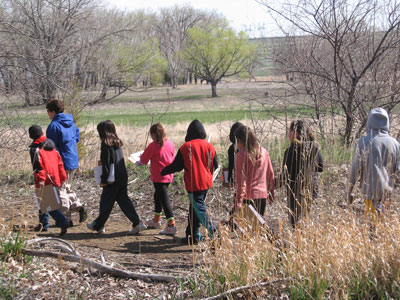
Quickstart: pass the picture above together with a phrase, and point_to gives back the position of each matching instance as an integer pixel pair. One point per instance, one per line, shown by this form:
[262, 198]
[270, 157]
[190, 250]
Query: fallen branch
[246, 287]
[70, 249]
[115, 272]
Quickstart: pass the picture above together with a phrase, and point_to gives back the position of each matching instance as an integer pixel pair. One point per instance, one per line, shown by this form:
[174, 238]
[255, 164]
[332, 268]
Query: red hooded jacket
[47, 163]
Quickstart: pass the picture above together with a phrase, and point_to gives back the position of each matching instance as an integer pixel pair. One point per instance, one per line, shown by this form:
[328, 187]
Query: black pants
[111, 193]
[161, 200]
[259, 205]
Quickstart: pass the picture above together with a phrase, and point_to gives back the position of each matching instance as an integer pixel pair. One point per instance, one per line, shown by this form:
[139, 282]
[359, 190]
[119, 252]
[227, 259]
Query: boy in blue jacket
[65, 135]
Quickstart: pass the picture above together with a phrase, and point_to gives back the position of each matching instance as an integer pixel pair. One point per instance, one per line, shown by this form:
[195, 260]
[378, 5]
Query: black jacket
[113, 155]
[231, 150]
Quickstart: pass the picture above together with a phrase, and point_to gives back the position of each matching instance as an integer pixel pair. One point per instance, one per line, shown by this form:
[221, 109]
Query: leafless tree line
[342, 56]
[53, 47]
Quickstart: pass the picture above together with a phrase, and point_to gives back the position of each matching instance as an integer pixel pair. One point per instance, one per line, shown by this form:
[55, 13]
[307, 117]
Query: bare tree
[172, 31]
[343, 54]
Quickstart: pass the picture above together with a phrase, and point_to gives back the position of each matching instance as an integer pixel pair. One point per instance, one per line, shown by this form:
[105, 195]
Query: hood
[378, 120]
[195, 131]
[66, 120]
[232, 132]
[43, 143]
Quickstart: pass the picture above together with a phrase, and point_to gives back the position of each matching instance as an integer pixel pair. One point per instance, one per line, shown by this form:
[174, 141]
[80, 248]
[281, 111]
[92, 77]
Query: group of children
[250, 168]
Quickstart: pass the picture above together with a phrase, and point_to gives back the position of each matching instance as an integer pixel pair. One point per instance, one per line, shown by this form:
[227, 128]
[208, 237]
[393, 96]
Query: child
[301, 161]
[198, 158]
[161, 153]
[376, 164]
[255, 180]
[65, 135]
[111, 153]
[48, 169]
[231, 151]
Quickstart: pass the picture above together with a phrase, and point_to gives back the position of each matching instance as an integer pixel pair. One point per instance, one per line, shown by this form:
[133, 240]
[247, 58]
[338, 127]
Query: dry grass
[336, 257]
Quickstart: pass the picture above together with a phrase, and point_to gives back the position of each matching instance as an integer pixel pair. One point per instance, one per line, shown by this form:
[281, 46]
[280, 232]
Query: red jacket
[47, 163]
[198, 156]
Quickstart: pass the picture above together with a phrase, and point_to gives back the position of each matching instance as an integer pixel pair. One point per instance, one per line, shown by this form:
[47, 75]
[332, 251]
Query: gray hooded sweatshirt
[376, 161]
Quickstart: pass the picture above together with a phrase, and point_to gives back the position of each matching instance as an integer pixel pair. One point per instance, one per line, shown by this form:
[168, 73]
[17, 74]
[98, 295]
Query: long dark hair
[108, 133]
[159, 133]
[247, 137]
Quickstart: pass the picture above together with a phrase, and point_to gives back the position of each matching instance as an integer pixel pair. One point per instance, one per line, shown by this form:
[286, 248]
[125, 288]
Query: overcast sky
[241, 14]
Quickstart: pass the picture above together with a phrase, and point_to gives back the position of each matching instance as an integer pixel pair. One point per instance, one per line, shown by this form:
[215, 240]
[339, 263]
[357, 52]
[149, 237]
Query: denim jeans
[57, 215]
[198, 215]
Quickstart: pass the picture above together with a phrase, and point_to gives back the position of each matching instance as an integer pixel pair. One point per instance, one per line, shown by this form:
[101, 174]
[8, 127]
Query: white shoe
[169, 230]
[91, 227]
[138, 228]
[152, 224]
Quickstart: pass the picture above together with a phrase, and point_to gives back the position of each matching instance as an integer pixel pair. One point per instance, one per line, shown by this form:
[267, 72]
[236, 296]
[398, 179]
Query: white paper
[255, 212]
[98, 170]
[135, 157]
[226, 174]
[215, 174]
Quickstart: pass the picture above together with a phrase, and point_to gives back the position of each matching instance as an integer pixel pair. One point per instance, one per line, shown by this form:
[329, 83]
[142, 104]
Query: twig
[246, 287]
[115, 272]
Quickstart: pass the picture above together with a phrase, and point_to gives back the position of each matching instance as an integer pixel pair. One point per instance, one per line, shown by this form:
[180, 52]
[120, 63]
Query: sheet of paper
[135, 157]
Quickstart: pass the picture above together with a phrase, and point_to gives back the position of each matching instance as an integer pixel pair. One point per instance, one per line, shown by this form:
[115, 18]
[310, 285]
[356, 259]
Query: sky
[246, 15]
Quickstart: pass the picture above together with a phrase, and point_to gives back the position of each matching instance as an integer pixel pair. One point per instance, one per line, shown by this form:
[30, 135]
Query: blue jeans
[198, 215]
[57, 215]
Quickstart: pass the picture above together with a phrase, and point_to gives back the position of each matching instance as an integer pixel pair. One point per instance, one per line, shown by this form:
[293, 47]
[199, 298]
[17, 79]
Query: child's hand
[103, 184]
[41, 183]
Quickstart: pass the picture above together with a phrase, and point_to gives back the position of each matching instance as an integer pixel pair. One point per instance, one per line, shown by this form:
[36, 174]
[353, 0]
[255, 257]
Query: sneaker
[189, 241]
[152, 224]
[138, 228]
[83, 214]
[91, 227]
[40, 228]
[168, 230]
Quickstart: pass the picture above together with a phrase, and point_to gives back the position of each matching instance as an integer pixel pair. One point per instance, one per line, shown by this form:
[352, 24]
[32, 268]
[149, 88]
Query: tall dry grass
[337, 257]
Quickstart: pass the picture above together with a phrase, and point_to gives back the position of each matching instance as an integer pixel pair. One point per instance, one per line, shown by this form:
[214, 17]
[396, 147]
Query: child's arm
[146, 155]
[320, 162]
[177, 165]
[354, 174]
[105, 157]
[61, 170]
[270, 180]
[52, 133]
[77, 134]
[240, 182]
[215, 162]
[231, 162]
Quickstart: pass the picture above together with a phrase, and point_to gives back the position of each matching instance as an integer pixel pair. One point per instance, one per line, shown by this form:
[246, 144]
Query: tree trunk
[213, 89]
[348, 130]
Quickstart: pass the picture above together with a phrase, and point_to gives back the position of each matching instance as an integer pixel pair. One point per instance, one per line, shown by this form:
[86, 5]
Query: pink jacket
[160, 158]
[254, 181]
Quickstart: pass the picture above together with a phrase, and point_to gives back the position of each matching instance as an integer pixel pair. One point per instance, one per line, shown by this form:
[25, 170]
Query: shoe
[152, 224]
[40, 228]
[63, 230]
[189, 241]
[138, 228]
[91, 227]
[83, 213]
[169, 230]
